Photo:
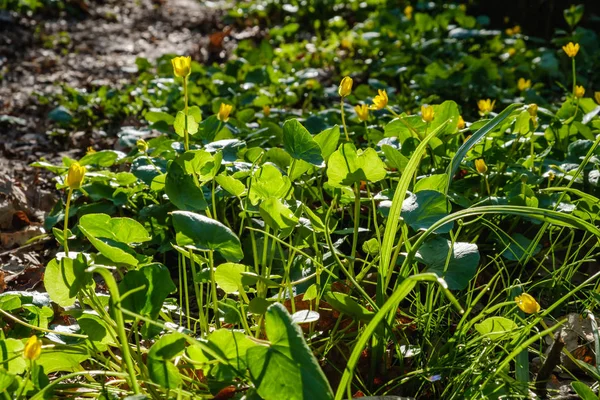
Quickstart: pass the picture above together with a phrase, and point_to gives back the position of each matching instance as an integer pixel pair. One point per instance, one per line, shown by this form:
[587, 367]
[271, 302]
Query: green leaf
[497, 328]
[299, 143]
[156, 116]
[462, 264]
[182, 189]
[117, 252]
[66, 358]
[371, 247]
[348, 166]
[584, 391]
[268, 182]
[194, 111]
[96, 329]
[328, 141]
[287, 368]
[447, 113]
[60, 114]
[104, 158]
[124, 230]
[346, 304]
[205, 233]
[231, 185]
[424, 209]
[11, 349]
[232, 346]
[277, 215]
[157, 283]
[229, 276]
[395, 159]
[518, 247]
[160, 368]
[65, 278]
[432, 182]
[201, 163]
[179, 124]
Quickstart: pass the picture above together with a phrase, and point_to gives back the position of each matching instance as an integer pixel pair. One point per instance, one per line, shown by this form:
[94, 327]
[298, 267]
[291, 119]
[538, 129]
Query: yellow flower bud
[141, 145]
[266, 111]
[362, 110]
[532, 110]
[345, 87]
[408, 11]
[427, 113]
[480, 166]
[527, 303]
[182, 66]
[380, 101]
[485, 106]
[75, 176]
[509, 32]
[597, 97]
[33, 349]
[579, 91]
[224, 111]
[511, 52]
[571, 49]
[523, 84]
[90, 150]
[461, 122]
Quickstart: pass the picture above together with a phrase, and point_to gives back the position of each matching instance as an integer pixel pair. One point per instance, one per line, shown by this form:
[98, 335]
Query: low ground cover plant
[403, 204]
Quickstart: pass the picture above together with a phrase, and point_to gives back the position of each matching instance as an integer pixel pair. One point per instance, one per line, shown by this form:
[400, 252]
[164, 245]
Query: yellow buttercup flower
[345, 87]
[427, 113]
[362, 110]
[571, 49]
[380, 101]
[75, 176]
[523, 84]
[408, 11]
[511, 52]
[485, 106]
[532, 110]
[597, 97]
[33, 349]
[142, 145]
[461, 122]
[90, 150]
[527, 303]
[224, 111]
[266, 111]
[579, 91]
[480, 166]
[182, 66]
[509, 31]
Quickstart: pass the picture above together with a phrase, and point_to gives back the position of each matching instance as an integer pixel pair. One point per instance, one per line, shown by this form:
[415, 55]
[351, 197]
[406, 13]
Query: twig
[552, 361]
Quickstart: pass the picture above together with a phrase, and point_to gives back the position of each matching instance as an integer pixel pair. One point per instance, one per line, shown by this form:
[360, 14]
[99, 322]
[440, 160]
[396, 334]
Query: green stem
[186, 136]
[213, 283]
[66, 228]
[113, 289]
[356, 226]
[344, 119]
[574, 75]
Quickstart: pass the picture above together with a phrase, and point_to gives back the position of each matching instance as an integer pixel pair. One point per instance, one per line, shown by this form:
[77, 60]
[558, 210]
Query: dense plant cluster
[382, 201]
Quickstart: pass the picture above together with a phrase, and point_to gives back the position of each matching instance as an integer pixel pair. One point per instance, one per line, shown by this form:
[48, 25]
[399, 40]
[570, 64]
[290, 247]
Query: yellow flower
[516, 30]
[362, 110]
[597, 97]
[380, 101]
[511, 52]
[345, 87]
[266, 111]
[461, 122]
[90, 150]
[408, 11]
[480, 166]
[527, 303]
[571, 49]
[75, 176]
[532, 110]
[523, 84]
[33, 349]
[224, 110]
[427, 113]
[509, 32]
[141, 145]
[579, 91]
[485, 106]
[182, 66]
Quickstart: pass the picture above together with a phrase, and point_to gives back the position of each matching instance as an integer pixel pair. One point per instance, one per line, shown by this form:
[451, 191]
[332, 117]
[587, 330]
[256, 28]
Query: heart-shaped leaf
[299, 143]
